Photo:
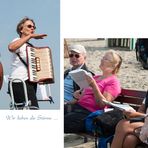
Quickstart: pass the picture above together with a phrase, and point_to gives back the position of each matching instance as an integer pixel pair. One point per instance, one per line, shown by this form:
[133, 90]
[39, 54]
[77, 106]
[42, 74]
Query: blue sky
[46, 14]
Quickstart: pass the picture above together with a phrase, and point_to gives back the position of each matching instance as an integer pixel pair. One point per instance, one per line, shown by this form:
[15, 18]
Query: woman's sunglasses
[72, 55]
[30, 26]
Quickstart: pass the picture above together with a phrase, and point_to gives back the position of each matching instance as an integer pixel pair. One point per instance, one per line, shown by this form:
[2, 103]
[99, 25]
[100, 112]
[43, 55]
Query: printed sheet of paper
[125, 107]
[79, 77]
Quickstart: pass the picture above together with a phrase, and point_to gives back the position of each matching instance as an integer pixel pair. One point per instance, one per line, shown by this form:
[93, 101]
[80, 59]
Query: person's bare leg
[119, 134]
[130, 141]
[122, 129]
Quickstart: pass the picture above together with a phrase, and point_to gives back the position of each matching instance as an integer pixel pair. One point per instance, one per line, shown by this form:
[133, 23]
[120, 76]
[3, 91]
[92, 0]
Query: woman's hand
[90, 80]
[77, 94]
[38, 36]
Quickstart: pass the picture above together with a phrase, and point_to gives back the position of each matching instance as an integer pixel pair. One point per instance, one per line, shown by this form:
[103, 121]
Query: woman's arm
[18, 43]
[97, 94]
[132, 114]
[142, 108]
[13, 46]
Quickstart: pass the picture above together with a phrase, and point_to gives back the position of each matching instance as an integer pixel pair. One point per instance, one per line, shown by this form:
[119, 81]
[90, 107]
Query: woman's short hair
[21, 23]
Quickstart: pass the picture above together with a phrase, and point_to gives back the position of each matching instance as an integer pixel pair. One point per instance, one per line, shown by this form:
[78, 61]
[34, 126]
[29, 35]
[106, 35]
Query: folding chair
[26, 105]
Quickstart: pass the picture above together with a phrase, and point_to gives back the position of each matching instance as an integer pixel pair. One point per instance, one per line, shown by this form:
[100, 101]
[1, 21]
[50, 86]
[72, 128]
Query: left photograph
[30, 57]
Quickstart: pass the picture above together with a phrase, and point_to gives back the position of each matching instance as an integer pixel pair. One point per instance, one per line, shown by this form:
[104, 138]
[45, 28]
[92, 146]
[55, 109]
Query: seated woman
[125, 137]
[102, 87]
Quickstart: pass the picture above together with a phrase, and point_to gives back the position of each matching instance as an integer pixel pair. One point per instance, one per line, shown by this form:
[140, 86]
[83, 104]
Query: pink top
[110, 84]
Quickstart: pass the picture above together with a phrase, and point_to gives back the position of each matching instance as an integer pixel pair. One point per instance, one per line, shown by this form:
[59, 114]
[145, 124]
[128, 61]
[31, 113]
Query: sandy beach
[131, 75]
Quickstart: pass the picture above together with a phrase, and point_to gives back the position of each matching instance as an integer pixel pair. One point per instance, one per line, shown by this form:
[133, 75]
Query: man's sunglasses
[72, 55]
[30, 26]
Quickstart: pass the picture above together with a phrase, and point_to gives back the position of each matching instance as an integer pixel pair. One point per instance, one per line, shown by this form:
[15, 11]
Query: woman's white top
[18, 69]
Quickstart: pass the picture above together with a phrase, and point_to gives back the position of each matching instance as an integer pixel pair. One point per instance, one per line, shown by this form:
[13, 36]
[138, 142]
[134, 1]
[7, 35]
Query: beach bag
[105, 123]
[89, 125]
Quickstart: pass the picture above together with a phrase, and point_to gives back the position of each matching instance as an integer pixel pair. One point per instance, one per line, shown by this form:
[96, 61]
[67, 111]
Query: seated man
[1, 74]
[77, 55]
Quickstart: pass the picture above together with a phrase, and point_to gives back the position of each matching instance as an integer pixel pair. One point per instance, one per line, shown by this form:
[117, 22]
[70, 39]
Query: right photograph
[105, 92]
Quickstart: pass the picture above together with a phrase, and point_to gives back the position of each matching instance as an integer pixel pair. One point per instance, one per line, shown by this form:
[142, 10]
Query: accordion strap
[22, 60]
[29, 44]
[21, 57]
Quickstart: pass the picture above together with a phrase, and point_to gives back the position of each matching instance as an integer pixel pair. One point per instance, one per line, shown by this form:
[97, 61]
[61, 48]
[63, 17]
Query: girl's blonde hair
[117, 61]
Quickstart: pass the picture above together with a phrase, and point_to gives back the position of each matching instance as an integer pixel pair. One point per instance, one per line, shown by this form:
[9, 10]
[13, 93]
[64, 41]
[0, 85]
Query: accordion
[40, 66]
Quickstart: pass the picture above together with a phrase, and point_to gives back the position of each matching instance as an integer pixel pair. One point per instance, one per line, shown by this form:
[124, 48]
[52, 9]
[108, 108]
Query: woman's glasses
[74, 55]
[30, 26]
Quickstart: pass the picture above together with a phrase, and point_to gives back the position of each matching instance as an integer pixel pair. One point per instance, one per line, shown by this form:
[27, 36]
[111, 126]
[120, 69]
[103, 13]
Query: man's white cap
[77, 48]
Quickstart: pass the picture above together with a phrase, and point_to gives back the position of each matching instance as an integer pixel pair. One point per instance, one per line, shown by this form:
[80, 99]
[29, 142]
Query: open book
[122, 107]
[78, 76]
